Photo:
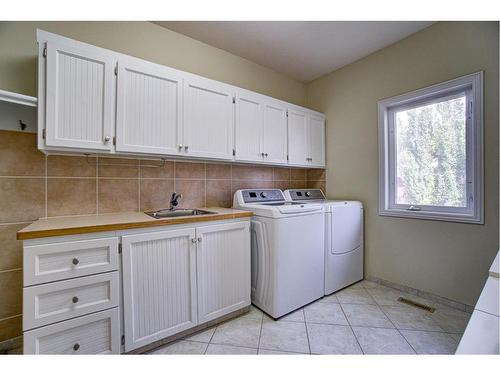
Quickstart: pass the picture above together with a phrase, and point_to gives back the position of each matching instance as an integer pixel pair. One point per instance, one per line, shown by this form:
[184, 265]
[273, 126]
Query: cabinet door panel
[79, 97]
[297, 137]
[159, 285]
[149, 108]
[317, 140]
[208, 119]
[248, 127]
[223, 263]
[275, 133]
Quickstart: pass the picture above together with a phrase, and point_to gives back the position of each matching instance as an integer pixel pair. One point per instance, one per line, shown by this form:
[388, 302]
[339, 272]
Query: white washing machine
[343, 237]
[287, 250]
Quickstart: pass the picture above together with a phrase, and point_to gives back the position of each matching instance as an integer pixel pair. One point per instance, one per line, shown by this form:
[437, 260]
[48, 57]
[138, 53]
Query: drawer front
[50, 303]
[97, 333]
[65, 260]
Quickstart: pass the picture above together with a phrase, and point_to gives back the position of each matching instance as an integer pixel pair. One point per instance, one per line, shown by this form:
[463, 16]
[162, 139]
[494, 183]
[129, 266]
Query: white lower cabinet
[171, 279]
[159, 285]
[52, 302]
[223, 269]
[176, 279]
[97, 333]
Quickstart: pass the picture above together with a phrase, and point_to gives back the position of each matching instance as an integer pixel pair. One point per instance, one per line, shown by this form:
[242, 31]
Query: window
[431, 152]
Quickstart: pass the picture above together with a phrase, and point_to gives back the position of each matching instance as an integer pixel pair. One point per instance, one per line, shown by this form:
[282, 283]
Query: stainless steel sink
[160, 214]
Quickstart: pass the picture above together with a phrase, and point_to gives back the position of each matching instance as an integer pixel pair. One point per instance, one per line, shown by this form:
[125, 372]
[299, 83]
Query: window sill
[429, 215]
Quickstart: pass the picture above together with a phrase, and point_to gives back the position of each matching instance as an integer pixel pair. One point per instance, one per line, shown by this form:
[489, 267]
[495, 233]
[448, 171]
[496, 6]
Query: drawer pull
[75, 261]
[74, 299]
[76, 347]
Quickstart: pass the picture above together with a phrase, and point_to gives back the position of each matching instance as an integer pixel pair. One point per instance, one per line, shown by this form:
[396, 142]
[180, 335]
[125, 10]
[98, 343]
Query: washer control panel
[306, 194]
[265, 195]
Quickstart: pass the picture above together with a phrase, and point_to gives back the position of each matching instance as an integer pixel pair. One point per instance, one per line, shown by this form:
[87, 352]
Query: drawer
[65, 260]
[50, 303]
[98, 333]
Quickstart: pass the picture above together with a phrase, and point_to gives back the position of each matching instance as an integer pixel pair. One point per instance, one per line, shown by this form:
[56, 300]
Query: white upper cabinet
[297, 137]
[91, 99]
[249, 126]
[316, 139]
[149, 107]
[306, 138]
[208, 119]
[79, 96]
[275, 132]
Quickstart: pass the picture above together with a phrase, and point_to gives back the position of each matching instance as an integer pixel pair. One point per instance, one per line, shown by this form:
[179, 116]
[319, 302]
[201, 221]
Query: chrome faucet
[174, 200]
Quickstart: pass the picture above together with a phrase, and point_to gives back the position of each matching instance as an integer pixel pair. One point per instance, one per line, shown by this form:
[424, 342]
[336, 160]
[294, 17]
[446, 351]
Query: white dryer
[287, 250]
[343, 237]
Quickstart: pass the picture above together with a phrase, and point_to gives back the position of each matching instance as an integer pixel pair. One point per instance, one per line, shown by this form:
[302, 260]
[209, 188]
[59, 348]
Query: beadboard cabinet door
[316, 140]
[306, 138]
[249, 127]
[223, 264]
[79, 96]
[159, 285]
[298, 137]
[149, 108]
[208, 119]
[275, 132]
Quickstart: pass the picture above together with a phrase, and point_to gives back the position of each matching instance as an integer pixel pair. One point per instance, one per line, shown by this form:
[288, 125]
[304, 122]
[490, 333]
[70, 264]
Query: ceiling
[303, 50]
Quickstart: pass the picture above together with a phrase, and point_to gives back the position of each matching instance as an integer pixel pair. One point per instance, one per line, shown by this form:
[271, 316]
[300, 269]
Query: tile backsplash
[33, 185]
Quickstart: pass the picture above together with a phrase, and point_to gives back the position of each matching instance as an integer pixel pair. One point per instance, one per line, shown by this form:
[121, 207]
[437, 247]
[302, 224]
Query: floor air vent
[416, 304]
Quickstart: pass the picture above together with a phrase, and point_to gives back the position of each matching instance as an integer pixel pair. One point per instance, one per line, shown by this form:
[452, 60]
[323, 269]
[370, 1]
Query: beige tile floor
[365, 318]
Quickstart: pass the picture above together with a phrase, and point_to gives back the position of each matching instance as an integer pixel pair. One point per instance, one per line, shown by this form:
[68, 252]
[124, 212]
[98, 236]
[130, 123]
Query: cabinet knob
[75, 261]
[107, 139]
[199, 239]
[180, 146]
[265, 154]
[262, 154]
[76, 347]
[186, 148]
[75, 299]
[193, 240]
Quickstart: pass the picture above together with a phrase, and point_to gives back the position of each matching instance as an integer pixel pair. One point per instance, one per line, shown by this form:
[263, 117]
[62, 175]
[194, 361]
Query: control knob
[308, 193]
[263, 194]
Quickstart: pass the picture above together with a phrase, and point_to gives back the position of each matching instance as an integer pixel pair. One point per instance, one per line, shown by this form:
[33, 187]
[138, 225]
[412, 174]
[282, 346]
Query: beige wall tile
[11, 327]
[281, 174]
[11, 287]
[219, 193]
[19, 155]
[298, 184]
[155, 194]
[152, 169]
[71, 166]
[71, 196]
[11, 250]
[118, 167]
[193, 193]
[218, 171]
[189, 170]
[317, 185]
[118, 195]
[21, 199]
[316, 174]
[298, 174]
[244, 172]
[282, 184]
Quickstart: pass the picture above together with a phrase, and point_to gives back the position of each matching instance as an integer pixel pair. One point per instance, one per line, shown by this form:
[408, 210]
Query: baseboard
[417, 292]
[12, 346]
[191, 331]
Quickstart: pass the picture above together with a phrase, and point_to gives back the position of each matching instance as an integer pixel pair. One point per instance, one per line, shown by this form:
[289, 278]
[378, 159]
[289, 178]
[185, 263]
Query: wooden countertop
[63, 226]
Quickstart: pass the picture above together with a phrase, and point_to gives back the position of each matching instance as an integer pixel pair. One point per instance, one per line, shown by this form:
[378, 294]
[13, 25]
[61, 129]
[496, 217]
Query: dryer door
[346, 228]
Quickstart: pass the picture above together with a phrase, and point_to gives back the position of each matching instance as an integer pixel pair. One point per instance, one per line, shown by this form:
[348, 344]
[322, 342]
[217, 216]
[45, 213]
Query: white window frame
[474, 212]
